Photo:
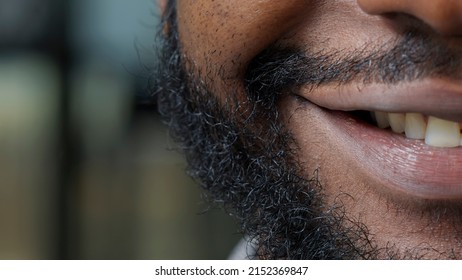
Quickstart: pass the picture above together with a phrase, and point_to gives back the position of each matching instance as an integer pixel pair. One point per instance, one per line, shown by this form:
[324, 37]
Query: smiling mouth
[433, 131]
[429, 110]
[406, 137]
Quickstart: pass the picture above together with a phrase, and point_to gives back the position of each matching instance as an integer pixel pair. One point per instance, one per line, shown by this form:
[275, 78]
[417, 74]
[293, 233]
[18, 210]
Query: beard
[244, 157]
[247, 166]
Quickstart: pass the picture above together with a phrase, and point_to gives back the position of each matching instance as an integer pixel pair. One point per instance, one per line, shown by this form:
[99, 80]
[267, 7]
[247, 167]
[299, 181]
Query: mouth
[406, 137]
[431, 130]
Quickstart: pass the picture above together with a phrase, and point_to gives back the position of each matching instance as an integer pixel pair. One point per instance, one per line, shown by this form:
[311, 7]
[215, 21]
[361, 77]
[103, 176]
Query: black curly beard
[248, 166]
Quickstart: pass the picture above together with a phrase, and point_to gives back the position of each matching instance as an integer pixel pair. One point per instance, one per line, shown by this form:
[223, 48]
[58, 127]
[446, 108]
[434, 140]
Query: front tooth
[415, 126]
[381, 119]
[442, 133]
[397, 122]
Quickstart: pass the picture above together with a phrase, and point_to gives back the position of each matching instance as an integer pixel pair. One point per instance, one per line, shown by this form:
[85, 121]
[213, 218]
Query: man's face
[326, 67]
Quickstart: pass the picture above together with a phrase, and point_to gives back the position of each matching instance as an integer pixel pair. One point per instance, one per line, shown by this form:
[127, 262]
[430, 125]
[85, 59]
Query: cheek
[225, 35]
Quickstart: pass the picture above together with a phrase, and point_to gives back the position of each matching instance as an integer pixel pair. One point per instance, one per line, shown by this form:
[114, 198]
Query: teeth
[397, 122]
[382, 119]
[442, 133]
[436, 132]
[415, 126]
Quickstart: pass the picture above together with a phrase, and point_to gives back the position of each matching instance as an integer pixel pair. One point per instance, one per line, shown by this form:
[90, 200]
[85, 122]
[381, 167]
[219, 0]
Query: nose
[443, 16]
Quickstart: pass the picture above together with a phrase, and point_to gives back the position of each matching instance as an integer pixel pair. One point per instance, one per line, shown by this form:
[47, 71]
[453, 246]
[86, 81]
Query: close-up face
[328, 128]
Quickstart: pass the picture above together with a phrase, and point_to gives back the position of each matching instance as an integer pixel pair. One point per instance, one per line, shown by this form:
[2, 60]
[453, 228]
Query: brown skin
[221, 37]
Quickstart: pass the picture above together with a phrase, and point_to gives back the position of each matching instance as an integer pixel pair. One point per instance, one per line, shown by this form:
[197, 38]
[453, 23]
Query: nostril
[446, 24]
[445, 17]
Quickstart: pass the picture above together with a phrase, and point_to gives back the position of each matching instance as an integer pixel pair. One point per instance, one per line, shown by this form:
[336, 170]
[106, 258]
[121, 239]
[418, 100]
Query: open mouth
[433, 131]
[404, 137]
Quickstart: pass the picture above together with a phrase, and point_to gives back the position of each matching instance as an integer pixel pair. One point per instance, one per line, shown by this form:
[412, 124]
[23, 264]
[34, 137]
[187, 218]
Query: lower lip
[402, 165]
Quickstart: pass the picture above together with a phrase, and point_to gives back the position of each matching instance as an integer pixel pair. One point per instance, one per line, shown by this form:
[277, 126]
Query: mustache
[414, 56]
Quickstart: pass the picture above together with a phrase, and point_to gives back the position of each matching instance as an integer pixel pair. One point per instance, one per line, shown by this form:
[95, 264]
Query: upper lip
[437, 97]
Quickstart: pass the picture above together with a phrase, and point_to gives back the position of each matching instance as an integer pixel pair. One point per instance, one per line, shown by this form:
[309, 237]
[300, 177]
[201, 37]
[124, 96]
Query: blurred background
[86, 167]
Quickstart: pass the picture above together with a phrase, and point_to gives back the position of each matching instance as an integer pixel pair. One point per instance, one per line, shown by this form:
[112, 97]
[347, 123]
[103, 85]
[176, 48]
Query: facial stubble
[243, 155]
[245, 159]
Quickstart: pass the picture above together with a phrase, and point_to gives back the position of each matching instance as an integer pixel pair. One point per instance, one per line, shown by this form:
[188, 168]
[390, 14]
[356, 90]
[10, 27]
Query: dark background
[86, 167]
